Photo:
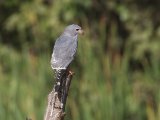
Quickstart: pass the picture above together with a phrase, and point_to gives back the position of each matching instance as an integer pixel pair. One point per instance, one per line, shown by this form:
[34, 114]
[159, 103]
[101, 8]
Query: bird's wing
[63, 52]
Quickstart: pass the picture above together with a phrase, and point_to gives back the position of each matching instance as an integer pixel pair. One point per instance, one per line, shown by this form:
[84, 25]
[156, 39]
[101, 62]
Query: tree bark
[57, 100]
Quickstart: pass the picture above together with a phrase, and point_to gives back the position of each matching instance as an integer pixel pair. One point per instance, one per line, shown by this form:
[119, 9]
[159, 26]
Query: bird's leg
[70, 72]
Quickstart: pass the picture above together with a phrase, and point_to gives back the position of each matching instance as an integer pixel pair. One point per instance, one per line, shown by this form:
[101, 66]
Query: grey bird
[64, 51]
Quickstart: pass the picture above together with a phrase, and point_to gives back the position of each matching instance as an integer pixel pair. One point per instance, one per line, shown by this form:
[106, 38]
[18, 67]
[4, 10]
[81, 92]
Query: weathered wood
[57, 100]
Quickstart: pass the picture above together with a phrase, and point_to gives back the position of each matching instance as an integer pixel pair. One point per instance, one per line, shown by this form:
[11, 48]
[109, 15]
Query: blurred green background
[117, 65]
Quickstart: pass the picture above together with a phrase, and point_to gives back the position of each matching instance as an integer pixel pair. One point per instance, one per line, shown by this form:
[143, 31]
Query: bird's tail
[59, 75]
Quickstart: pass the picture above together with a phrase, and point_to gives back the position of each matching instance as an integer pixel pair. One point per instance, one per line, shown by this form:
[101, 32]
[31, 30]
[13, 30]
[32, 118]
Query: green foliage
[117, 65]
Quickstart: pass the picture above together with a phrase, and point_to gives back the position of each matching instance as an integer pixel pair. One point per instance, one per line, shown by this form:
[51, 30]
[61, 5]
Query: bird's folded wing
[63, 52]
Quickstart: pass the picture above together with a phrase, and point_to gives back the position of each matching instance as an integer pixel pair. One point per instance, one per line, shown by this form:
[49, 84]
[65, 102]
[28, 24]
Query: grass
[111, 92]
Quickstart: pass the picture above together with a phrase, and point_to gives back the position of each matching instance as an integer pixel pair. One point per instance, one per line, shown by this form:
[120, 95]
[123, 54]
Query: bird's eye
[77, 29]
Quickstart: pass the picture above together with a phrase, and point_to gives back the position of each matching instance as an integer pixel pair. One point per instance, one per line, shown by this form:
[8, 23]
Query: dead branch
[57, 100]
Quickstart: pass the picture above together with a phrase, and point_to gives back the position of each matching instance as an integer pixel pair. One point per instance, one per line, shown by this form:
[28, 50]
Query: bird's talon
[71, 72]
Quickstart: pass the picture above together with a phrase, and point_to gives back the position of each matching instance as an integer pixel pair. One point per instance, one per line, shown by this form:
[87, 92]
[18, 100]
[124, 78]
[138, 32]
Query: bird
[64, 51]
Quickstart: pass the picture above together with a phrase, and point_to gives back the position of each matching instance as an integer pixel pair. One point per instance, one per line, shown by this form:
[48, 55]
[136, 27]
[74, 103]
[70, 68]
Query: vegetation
[117, 65]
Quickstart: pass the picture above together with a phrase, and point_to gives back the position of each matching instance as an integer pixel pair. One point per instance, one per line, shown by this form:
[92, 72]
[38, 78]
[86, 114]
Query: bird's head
[73, 30]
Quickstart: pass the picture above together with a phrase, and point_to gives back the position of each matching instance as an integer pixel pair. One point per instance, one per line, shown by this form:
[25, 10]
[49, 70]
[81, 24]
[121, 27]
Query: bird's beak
[81, 32]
